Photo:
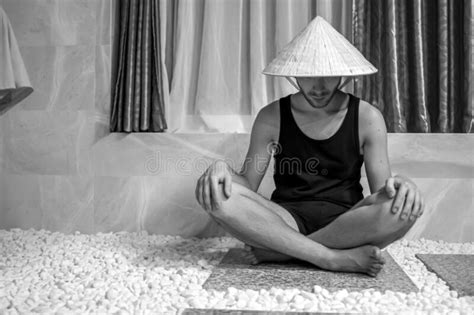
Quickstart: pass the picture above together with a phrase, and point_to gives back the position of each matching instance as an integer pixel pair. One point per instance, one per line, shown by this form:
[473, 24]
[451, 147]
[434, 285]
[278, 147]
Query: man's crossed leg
[352, 242]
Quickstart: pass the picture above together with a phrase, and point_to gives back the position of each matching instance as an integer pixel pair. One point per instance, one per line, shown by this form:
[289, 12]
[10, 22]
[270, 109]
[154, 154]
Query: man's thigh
[259, 201]
[372, 224]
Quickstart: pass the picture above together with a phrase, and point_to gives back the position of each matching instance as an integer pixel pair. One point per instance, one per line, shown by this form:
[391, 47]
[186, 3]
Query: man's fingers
[390, 187]
[408, 206]
[399, 199]
[228, 185]
[215, 198]
[416, 207]
[198, 191]
[201, 194]
[422, 207]
[206, 194]
[398, 182]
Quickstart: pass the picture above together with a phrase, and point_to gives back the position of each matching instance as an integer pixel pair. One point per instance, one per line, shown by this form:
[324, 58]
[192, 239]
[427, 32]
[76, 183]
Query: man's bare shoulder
[269, 114]
[369, 112]
[371, 121]
[268, 118]
[369, 115]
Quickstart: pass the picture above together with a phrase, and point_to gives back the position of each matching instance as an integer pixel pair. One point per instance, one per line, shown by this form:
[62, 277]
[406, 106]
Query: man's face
[318, 91]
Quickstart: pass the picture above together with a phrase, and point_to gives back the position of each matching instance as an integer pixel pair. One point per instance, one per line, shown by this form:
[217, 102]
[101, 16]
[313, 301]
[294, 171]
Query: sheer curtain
[215, 52]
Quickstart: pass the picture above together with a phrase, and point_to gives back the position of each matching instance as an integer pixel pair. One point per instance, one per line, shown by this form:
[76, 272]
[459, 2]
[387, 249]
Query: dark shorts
[311, 216]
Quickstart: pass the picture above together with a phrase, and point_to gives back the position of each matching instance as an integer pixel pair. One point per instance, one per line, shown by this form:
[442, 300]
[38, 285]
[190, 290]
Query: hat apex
[319, 51]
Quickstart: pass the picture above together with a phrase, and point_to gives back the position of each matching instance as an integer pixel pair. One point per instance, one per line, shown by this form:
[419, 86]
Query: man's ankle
[327, 259]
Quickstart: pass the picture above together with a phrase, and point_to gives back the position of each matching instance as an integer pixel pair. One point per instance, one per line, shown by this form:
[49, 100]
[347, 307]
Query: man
[320, 137]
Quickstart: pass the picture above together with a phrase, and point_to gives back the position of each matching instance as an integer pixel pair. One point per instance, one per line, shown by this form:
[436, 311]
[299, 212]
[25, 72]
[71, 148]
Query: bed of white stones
[44, 272]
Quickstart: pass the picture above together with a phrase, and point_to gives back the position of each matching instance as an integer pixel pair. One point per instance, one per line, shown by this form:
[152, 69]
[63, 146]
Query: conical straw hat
[319, 51]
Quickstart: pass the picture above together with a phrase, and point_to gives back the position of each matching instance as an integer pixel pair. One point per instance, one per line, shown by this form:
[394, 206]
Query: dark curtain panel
[137, 90]
[423, 51]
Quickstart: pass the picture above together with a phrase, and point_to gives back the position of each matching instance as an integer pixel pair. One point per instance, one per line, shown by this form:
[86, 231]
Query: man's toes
[382, 259]
[372, 273]
[250, 258]
[377, 266]
[376, 269]
[377, 253]
[254, 260]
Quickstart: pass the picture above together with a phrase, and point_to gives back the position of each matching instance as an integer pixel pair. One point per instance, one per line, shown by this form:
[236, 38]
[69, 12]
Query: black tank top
[324, 170]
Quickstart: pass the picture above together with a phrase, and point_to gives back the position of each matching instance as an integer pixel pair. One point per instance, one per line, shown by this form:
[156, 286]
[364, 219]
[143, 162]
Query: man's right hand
[407, 197]
[207, 187]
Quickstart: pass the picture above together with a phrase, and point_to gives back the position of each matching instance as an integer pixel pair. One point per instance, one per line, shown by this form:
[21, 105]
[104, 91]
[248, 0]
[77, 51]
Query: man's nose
[318, 84]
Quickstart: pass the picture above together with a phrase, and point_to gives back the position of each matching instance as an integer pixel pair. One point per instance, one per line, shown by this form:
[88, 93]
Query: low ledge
[417, 155]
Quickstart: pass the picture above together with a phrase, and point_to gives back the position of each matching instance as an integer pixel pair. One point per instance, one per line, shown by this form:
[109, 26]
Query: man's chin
[319, 103]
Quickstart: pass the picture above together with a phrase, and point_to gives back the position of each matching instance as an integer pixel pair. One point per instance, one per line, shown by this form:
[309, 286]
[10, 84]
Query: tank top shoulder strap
[284, 118]
[353, 120]
[284, 107]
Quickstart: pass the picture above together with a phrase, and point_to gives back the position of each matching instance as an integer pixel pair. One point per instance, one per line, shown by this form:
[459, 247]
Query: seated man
[319, 137]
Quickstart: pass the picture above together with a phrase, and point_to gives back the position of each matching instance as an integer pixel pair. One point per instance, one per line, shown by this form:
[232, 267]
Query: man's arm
[253, 169]
[259, 152]
[374, 145]
[408, 198]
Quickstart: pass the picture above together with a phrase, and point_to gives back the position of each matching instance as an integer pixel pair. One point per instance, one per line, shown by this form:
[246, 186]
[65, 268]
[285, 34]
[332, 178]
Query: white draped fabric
[215, 50]
[14, 81]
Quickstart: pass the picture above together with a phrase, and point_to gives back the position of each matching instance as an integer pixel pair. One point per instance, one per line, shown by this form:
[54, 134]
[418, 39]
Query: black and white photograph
[267, 157]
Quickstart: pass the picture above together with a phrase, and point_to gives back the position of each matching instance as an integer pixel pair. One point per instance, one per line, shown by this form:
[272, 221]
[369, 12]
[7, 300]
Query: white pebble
[127, 273]
[112, 294]
[340, 295]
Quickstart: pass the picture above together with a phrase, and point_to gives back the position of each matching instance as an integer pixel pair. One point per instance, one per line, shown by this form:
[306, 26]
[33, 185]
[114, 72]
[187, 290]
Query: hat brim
[318, 76]
[319, 51]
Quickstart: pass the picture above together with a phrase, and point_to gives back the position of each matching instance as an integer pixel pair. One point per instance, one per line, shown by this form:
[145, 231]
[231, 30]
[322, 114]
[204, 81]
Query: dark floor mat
[204, 311]
[235, 271]
[456, 270]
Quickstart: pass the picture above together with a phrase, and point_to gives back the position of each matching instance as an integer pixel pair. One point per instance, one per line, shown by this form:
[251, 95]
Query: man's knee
[389, 222]
[228, 206]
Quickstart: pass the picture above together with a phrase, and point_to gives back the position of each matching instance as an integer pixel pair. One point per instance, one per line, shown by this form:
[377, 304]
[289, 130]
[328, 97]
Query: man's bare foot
[366, 259]
[249, 256]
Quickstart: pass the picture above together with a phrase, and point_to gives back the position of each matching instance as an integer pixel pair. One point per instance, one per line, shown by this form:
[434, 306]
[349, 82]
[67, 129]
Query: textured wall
[46, 141]
[61, 170]
[155, 176]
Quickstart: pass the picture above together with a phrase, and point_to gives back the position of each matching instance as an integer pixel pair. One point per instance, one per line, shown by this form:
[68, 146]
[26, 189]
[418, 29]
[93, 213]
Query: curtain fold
[137, 84]
[423, 50]
[217, 49]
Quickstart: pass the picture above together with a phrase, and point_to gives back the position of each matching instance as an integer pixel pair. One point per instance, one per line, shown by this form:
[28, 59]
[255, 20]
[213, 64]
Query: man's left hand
[408, 197]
